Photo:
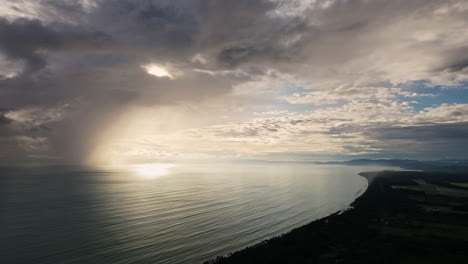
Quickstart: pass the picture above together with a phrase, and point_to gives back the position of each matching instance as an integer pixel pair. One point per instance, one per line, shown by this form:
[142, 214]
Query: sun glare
[152, 170]
[157, 70]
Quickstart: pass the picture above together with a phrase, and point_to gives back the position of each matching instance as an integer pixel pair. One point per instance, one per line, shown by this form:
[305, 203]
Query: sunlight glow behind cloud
[157, 70]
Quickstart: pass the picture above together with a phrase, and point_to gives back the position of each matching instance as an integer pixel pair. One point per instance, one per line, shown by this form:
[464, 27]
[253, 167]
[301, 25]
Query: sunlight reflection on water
[152, 170]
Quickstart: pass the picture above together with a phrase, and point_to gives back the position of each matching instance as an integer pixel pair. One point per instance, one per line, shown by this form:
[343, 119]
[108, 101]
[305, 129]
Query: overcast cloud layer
[245, 79]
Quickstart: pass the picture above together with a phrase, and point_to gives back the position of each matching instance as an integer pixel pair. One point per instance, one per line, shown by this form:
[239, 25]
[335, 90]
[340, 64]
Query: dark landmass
[403, 217]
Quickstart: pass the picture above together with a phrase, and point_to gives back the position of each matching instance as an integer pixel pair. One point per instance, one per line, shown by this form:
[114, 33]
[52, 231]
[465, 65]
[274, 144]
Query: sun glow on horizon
[152, 170]
[157, 70]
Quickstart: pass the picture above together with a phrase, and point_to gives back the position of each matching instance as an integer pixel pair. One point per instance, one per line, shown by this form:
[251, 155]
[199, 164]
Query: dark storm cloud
[454, 60]
[27, 39]
[457, 66]
[95, 67]
[106, 52]
[3, 119]
[426, 132]
[429, 140]
[236, 32]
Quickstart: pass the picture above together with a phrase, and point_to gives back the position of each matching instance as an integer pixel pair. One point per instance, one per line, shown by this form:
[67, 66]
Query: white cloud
[444, 113]
[327, 130]
[348, 93]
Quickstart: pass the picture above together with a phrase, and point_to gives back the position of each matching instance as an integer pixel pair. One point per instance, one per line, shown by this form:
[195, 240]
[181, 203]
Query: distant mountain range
[445, 164]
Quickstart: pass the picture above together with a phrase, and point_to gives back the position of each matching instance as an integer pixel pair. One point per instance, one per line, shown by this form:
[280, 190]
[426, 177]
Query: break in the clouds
[132, 81]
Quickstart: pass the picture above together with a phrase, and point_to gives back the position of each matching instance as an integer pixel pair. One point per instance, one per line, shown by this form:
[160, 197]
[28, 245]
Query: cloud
[430, 140]
[444, 113]
[330, 71]
[348, 92]
[27, 40]
[3, 119]
[359, 127]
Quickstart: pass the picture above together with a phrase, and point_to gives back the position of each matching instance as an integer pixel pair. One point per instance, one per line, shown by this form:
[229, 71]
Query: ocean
[162, 213]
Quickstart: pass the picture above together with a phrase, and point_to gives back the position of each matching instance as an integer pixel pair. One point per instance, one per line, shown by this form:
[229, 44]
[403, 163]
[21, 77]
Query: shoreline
[384, 219]
[358, 194]
[368, 176]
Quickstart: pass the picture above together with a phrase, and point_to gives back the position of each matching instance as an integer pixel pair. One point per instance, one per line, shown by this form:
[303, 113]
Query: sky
[137, 81]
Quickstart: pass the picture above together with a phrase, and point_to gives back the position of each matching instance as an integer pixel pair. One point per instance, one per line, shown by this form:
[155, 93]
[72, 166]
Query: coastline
[386, 224]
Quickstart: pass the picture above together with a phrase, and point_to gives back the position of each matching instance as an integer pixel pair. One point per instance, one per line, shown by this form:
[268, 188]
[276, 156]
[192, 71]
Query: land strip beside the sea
[403, 217]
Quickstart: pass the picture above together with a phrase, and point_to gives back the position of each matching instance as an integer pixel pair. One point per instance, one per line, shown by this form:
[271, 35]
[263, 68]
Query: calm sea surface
[162, 213]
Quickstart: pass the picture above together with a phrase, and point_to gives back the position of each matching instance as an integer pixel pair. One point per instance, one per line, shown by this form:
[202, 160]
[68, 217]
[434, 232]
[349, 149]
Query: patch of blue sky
[438, 95]
[442, 94]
